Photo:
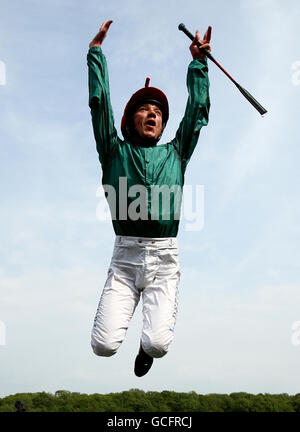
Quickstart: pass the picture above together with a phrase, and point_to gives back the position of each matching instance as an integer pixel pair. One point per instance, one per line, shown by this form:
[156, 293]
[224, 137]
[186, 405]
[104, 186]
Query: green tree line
[136, 400]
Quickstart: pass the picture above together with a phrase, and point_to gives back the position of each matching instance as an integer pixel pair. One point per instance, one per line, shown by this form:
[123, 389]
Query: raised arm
[198, 104]
[99, 97]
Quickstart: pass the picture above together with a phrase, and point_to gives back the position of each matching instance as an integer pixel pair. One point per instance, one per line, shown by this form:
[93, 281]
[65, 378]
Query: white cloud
[224, 340]
[238, 342]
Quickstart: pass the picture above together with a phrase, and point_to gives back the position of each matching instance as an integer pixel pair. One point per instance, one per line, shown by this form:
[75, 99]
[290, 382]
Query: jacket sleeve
[196, 112]
[99, 102]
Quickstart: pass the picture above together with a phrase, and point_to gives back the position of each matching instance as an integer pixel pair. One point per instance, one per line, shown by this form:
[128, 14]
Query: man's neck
[142, 142]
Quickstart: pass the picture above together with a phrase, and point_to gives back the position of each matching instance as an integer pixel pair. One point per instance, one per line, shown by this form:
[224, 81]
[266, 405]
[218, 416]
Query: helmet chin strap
[143, 142]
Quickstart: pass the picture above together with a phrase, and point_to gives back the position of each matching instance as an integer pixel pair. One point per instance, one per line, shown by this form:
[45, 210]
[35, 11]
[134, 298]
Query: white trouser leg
[116, 307]
[160, 305]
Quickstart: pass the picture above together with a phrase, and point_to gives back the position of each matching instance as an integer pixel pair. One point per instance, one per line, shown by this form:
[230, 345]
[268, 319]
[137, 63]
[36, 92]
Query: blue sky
[239, 294]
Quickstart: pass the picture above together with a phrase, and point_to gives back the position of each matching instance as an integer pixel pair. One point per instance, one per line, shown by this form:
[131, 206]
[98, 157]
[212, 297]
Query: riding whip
[244, 92]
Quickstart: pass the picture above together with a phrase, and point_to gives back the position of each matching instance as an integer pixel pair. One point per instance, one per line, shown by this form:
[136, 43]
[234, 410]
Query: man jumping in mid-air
[145, 257]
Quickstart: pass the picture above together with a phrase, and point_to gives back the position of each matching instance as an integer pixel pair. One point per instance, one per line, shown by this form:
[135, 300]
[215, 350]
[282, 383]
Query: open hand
[197, 52]
[100, 36]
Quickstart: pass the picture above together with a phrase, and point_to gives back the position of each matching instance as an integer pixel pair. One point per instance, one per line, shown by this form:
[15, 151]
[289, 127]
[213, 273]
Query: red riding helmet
[145, 94]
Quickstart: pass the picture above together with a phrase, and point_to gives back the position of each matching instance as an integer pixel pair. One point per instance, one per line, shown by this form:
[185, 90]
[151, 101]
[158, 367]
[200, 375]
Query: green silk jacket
[131, 173]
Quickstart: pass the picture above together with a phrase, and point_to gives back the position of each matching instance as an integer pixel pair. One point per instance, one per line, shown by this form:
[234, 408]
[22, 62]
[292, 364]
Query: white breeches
[147, 267]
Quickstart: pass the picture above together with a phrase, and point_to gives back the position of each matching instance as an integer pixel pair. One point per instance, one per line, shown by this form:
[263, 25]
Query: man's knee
[104, 348]
[155, 347]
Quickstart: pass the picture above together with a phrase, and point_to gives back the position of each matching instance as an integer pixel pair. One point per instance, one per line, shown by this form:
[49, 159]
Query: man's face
[148, 121]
